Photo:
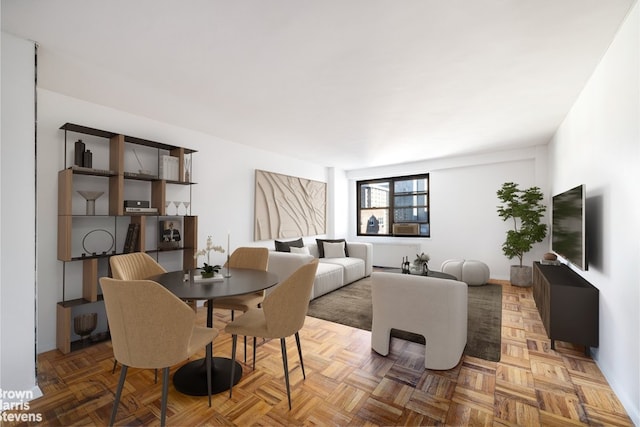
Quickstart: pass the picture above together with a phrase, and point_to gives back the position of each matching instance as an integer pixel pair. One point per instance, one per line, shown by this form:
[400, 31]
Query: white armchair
[434, 308]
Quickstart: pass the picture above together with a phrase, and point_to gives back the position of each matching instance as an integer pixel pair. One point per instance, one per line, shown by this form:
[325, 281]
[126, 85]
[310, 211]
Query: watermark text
[15, 407]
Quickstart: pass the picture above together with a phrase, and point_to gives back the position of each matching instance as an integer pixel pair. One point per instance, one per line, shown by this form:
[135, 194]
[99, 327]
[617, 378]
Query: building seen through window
[397, 206]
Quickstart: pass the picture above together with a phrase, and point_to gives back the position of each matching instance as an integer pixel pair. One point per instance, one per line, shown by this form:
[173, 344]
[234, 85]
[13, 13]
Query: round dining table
[191, 378]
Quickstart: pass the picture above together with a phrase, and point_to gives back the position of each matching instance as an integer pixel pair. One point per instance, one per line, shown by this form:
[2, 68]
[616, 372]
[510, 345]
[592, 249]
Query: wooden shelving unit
[117, 180]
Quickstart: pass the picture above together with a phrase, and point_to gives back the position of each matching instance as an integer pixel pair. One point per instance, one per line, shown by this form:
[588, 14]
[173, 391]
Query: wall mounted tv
[568, 237]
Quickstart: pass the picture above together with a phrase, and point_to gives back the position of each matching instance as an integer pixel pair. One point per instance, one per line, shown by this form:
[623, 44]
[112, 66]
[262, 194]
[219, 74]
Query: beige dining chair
[135, 266]
[152, 328]
[281, 314]
[251, 258]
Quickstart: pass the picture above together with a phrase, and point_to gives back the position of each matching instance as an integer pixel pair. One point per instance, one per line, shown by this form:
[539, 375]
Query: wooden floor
[348, 384]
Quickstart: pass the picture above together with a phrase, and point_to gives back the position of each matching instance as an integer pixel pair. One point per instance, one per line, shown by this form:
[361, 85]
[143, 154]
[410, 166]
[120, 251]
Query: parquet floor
[348, 384]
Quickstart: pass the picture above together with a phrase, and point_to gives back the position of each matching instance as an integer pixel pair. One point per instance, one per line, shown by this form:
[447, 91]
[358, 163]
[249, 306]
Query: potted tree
[525, 209]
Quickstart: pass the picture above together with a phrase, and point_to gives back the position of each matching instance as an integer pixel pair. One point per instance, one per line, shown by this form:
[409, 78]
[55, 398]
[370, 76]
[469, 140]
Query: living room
[596, 145]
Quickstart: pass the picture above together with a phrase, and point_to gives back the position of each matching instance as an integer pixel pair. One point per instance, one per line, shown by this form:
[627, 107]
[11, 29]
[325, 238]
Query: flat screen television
[568, 237]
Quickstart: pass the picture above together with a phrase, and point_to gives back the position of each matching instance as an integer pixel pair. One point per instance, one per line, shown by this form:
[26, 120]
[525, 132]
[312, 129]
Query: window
[396, 206]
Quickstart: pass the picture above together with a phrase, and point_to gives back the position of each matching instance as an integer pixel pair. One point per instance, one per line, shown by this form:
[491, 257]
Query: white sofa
[432, 307]
[332, 273]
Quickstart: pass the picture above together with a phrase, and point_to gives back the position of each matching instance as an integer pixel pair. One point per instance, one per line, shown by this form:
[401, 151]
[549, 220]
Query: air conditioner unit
[406, 229]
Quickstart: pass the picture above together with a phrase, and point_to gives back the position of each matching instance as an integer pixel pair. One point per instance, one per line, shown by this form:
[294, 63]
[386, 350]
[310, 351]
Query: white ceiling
[343, 83]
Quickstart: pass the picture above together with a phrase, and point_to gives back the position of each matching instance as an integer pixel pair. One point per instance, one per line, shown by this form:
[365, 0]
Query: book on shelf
[131, 240]
[143, 175]
[140, 210]
[169, 168]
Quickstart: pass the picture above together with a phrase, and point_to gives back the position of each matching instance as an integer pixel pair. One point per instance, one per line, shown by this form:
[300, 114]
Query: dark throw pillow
[284, 246]
[321, 248]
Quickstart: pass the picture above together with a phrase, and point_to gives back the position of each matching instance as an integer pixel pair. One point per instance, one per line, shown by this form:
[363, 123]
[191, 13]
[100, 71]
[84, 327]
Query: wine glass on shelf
[167, 203]
[177, 204]
[186, 208]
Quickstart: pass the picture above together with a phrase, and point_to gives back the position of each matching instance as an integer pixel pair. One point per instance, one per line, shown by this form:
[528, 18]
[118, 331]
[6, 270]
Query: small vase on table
[425, 269]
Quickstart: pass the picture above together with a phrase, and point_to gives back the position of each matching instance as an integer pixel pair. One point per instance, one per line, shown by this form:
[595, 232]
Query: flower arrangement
[209, 270]
[421, 263]
[421, 259]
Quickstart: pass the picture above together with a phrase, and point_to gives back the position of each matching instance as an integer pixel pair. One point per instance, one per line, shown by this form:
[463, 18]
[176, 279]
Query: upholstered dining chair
[134, 266]
[152, 328]
[281, 314]
[137, 266]
[251, 258]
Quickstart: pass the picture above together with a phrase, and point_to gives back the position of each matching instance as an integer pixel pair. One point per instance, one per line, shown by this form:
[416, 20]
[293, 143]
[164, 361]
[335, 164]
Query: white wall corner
[17, 217]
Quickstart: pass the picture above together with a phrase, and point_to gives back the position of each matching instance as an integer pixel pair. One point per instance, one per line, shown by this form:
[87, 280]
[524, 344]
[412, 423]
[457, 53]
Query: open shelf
[112, 153]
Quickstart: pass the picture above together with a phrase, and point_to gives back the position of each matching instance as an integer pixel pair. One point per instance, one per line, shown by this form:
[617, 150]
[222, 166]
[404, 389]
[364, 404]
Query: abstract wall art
[288, 207]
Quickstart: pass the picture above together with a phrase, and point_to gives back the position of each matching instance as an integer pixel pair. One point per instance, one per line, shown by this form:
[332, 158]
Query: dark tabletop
[191, 378]
[431, 273]
[242, 281]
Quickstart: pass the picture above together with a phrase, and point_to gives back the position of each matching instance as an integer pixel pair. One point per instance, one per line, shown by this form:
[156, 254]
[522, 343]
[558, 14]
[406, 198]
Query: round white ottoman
[472, 272]
[453, 267]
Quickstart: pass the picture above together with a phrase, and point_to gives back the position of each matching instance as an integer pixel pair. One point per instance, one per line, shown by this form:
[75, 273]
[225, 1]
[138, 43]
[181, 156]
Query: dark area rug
[351, 306]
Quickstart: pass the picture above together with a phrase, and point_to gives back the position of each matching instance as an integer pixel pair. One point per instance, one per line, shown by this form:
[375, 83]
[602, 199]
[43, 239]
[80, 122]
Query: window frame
[391, 181]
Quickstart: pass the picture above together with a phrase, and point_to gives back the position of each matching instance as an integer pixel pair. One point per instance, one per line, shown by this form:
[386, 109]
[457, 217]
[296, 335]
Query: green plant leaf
[525, 209]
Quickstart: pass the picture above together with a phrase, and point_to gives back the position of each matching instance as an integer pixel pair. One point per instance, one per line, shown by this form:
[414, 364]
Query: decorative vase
[406, 266]
[207, 274]
[521, 276]
[425, 268]
[90, 197]
[84, 324]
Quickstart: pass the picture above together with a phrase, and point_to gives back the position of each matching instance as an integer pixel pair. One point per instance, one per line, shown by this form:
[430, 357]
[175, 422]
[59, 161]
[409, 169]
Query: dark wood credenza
[568, 305]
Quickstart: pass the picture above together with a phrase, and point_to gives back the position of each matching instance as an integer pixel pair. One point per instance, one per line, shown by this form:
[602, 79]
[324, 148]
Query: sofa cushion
[329, 277]
[313, 250]
[321, 242]
[354, 268]
[283, 264]
[334, 250]
[285, 246]
[302, 250]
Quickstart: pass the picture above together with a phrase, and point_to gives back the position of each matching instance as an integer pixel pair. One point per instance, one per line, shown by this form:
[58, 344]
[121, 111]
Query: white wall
[223, 197]
[17, 218]
[464, 220]
[599, 145]
[338, 204]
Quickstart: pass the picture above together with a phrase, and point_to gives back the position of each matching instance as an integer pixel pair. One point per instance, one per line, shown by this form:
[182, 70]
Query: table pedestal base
[191, 378]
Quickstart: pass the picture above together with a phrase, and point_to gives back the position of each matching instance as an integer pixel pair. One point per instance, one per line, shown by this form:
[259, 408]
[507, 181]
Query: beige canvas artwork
[288, 207]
